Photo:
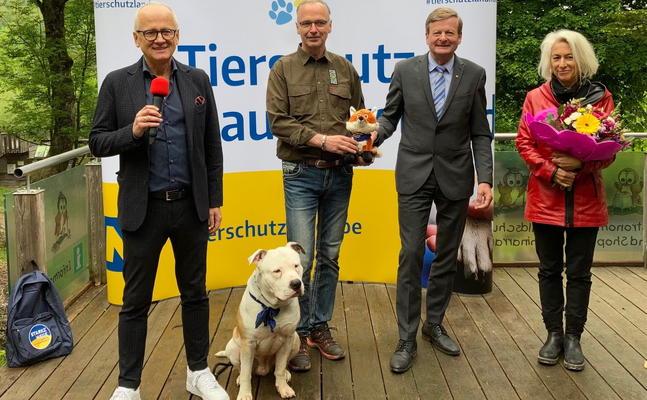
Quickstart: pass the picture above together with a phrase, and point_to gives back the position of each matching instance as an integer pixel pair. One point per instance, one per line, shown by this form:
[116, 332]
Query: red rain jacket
[585, 204]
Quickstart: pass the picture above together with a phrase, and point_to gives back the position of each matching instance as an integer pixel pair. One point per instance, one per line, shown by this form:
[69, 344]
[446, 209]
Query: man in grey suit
[170, 187]
[441, 100]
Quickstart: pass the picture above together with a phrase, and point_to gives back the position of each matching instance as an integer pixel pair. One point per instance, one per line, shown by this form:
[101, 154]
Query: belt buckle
[319, 163]
[169, 192]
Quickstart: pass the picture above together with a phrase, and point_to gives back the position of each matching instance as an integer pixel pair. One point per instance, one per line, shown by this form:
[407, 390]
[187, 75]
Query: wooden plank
[620, 325]
[84, 301]
[632, 279]
[555, 380]
[639, 271]
[517, 368]
[157, 368]
[32, 377]
[31, 236]
[9, 375]
[175, 385]
[428, 375]
[336, 382]
[152, 337]
[475, 349]
[107, 358]
[596, 355]
[458, 375]
[588, 380]
[365, 363]
[96, 222]
[636, 297]
[623, 306]
[385, 331]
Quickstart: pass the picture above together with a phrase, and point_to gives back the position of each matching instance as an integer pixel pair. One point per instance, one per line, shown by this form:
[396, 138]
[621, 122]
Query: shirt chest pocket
[340, 99]
[299, 100]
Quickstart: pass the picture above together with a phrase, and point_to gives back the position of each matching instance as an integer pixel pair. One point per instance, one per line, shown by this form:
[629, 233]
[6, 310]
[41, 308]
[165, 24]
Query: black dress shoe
[550, 351]
[573, 356]
[438, 336]
[402, 358]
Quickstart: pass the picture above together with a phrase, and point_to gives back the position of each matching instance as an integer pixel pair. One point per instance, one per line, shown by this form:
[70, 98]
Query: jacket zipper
[569, 205]
[595, 188]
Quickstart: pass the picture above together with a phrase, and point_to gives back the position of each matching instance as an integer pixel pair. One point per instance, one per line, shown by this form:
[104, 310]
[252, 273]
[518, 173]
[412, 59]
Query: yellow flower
[588, 124]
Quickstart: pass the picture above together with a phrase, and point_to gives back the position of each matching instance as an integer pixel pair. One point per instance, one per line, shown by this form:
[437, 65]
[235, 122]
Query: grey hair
[136, 27]
[583, 53]
[314, 1]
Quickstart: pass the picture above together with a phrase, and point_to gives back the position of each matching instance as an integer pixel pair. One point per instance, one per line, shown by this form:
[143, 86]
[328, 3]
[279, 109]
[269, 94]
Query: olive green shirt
[307, 96]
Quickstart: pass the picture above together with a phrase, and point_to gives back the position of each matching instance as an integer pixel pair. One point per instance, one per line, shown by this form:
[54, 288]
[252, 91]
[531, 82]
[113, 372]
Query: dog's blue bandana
[266, 317]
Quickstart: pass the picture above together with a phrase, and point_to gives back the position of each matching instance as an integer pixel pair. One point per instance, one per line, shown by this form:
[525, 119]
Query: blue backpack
[37, 326]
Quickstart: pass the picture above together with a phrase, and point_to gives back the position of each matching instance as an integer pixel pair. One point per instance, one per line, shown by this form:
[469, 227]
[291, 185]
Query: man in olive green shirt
[309, 95]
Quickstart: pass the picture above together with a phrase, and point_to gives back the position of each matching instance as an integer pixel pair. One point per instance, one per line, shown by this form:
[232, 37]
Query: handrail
[513, 136]
[49, 162]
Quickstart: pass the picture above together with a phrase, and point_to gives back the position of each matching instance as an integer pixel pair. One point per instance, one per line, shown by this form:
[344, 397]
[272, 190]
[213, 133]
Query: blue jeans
[316, 208]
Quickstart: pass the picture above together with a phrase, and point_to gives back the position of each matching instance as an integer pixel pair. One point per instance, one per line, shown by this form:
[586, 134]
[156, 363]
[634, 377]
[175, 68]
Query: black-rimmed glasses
[319, 24]
[151, 36]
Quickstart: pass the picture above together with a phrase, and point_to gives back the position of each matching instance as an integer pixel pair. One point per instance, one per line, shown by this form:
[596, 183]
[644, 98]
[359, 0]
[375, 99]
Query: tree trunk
[60, 65]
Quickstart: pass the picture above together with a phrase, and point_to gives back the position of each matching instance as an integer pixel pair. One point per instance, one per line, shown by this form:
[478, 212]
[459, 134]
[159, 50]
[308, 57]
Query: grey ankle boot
[550, 351]
[573, 356]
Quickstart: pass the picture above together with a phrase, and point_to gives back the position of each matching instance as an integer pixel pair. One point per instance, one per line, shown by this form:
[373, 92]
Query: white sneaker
[122, 393]
[204, 384]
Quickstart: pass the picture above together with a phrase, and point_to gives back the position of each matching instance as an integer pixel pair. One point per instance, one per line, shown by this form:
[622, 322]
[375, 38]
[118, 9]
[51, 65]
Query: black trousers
[413, 215]
[580, 245]
[177, 221]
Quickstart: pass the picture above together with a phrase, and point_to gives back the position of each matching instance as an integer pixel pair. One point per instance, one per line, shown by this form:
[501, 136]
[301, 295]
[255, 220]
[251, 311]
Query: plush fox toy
[361, 123]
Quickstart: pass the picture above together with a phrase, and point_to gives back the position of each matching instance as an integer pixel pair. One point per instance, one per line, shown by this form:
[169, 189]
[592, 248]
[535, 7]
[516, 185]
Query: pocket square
[199, 100]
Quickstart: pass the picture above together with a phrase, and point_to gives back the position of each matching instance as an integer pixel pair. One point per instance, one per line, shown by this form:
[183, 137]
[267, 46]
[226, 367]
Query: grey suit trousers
[413, 214]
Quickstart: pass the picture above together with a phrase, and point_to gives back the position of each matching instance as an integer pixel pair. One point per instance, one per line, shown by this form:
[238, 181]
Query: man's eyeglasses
[151, 36]
[307, 24]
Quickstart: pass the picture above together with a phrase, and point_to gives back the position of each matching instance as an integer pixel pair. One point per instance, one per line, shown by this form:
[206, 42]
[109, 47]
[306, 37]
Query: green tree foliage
[614, 28]
[48, 70]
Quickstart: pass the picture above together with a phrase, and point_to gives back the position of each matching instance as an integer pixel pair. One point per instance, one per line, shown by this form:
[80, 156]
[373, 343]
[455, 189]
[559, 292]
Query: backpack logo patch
[40, 336]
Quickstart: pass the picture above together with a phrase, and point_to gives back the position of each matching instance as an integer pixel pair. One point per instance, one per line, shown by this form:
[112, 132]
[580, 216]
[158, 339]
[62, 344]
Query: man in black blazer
[170, 187]
[445, 134]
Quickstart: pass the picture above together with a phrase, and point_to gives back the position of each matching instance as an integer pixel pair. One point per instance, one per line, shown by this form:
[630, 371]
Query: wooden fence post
[644, 212]
[29, 208]
[96, 222]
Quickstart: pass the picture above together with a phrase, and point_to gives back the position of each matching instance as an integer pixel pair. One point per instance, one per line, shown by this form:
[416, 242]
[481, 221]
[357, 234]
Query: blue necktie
[439, 90]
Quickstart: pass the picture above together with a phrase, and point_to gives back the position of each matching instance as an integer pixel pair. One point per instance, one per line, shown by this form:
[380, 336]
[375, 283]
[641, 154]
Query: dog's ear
[257, 256]
[296, 246]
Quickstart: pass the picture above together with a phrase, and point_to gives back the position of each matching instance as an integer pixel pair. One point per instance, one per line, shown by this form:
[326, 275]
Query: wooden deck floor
[499, 334]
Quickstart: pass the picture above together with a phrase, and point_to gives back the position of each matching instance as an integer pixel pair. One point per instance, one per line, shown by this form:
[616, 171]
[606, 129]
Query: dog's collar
[266, 316]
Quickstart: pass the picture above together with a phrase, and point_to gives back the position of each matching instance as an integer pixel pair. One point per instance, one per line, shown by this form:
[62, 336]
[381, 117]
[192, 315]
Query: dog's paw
[247, 396]
[286, 392]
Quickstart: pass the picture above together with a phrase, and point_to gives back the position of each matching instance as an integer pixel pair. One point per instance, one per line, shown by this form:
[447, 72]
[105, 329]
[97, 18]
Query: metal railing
[50, 162]
[513, 136]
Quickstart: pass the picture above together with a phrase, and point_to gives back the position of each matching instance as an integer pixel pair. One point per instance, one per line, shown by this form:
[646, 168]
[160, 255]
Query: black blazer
[122, 95]
[453, 145]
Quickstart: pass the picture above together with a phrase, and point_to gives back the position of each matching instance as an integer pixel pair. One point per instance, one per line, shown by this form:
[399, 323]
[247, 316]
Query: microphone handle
[152, 132]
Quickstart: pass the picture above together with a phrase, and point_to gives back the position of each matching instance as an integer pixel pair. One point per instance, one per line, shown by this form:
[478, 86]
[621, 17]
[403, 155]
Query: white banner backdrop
[236, 43]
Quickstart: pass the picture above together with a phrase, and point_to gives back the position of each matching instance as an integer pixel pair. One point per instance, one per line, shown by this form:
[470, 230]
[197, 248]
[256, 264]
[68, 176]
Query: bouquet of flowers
[586, 132]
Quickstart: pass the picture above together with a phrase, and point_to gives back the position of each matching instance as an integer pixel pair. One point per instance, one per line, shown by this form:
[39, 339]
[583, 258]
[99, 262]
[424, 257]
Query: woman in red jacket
[566, 197]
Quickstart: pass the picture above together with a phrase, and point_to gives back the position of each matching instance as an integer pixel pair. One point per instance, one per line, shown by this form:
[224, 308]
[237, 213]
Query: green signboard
[67, 231]
[620, 241]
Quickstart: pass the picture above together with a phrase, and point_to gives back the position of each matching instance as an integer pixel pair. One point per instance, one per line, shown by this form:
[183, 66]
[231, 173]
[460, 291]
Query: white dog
[267, 319]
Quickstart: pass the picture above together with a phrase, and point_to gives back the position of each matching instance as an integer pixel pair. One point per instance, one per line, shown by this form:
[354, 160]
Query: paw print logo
[281, 12]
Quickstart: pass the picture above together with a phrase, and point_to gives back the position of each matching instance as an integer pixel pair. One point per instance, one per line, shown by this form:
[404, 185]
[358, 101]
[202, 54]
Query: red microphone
[159, 89]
